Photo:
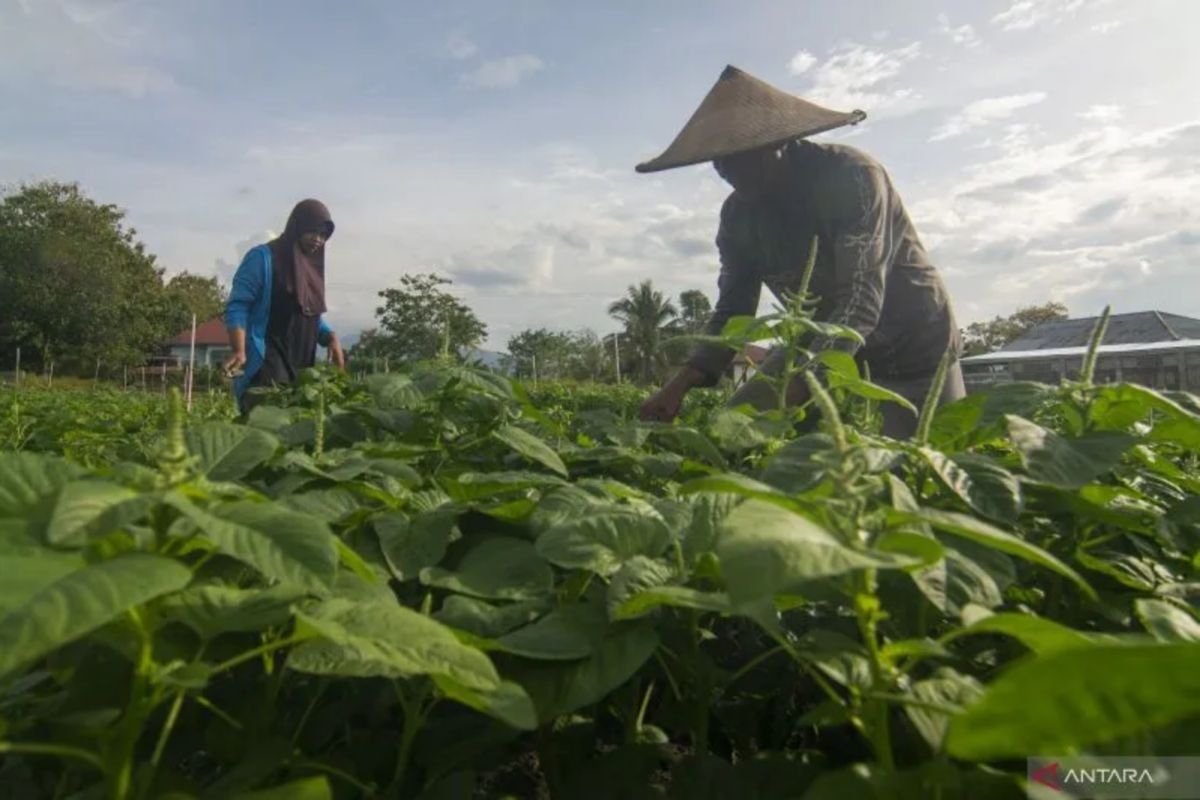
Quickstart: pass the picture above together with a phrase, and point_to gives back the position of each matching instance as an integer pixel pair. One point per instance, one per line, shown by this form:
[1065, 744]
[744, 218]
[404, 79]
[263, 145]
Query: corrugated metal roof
[1001, 356]
[1136, 328]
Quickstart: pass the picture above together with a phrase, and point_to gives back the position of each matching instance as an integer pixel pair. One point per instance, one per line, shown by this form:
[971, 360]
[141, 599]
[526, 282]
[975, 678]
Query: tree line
[77, 288]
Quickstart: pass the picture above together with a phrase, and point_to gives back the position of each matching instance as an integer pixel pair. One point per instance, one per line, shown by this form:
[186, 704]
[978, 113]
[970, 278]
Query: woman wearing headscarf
[274, 312]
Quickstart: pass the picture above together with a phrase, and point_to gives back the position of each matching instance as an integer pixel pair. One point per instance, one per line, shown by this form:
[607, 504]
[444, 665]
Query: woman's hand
[236, 363]
[335, 353]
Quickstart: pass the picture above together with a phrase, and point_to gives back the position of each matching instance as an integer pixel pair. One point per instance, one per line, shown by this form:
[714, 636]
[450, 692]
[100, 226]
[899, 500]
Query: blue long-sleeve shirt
[249, 308]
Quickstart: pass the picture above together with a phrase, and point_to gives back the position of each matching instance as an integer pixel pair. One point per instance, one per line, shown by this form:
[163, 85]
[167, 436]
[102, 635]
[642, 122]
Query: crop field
[440, 583]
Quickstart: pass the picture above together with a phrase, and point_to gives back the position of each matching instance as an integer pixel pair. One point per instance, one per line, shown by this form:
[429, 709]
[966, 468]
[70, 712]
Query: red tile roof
[208, 334]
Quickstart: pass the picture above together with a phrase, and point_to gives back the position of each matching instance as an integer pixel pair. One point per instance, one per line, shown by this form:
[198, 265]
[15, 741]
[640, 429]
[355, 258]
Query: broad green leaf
[636, 575]
[969, 574]
[28, 572]
[982, 533]
[330, 505]
[314, 788]
[839, 657]
[501, 568]
[413, 545]
[691, 442]
[979, 417]
[914, 649]
[215, 609]
[1167, 621]
[736, 431]
[83, 507]
[569, 503]
[839, 363]
[281, 544]
[488, 620]
[1068, 463]
[1040, 635]
[922, 548]
[392, 390]
[29, 483]
[562, 687]
[676, 597]
[1129, 570]
[797, 466]
[1079, 697]
[604, 540]
[507, 701]
[566, 633]
[947, 687]
[229, 452]
[531, 447]
[385, 639]
[676, 513]
[349, 558]
[474, 485]
[979, 482]
[1119, 406]
[765, 550]
[738, 484]
[82, 601]
[868, 390]
[709, 510]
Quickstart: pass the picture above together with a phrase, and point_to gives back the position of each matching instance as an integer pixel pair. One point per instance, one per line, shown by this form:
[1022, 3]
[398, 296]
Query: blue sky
[1047, 149]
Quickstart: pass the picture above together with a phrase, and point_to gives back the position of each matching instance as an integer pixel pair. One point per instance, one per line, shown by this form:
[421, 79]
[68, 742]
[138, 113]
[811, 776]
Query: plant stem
[142, 700]
[662, 662]
[880, 727]
[224, 716]
[308, 711]
[751, 664]
[60, 750]
[368, 789]
[250, 655]
[161, 745]
[415, 710]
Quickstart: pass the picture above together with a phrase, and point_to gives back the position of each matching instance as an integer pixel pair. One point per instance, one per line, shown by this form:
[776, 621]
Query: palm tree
[644, 312]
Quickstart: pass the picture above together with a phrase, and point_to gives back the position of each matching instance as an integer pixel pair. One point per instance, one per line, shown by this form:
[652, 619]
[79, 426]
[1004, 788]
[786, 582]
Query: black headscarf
[304, 274]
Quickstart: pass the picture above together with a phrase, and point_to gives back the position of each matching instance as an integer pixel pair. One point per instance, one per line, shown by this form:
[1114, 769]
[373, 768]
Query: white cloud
[1026, 14]
[91, 48]
[801, 62]
[503, 73]
[984, 112]
[1107, 27]
[459, 47]
[1102, 113]
[1103, 216]
[961, 35]
[856, 76]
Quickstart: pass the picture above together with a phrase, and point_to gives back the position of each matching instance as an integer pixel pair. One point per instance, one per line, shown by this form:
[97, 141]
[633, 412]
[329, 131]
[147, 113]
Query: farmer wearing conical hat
[872, 273]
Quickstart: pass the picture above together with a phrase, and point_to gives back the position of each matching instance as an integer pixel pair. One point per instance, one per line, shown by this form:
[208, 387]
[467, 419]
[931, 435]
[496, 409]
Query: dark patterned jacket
[872, 272]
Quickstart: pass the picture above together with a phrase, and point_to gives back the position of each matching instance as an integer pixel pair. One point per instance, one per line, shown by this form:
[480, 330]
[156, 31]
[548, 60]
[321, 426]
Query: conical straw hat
[742, 113]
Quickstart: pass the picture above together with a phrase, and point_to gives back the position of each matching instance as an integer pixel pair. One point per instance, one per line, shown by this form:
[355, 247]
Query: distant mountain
[489, 358]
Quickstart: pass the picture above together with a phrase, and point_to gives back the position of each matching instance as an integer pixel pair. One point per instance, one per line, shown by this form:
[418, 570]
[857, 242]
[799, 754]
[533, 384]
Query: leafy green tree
[578, 355]
[644, 311]
[694, 310]
[985, 337]
[75, 284]
[541, 352]
[419, 318]
[189, 294]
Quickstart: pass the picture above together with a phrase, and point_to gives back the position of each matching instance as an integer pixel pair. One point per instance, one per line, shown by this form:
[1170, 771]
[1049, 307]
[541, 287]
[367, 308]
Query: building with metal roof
[1151, 348]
